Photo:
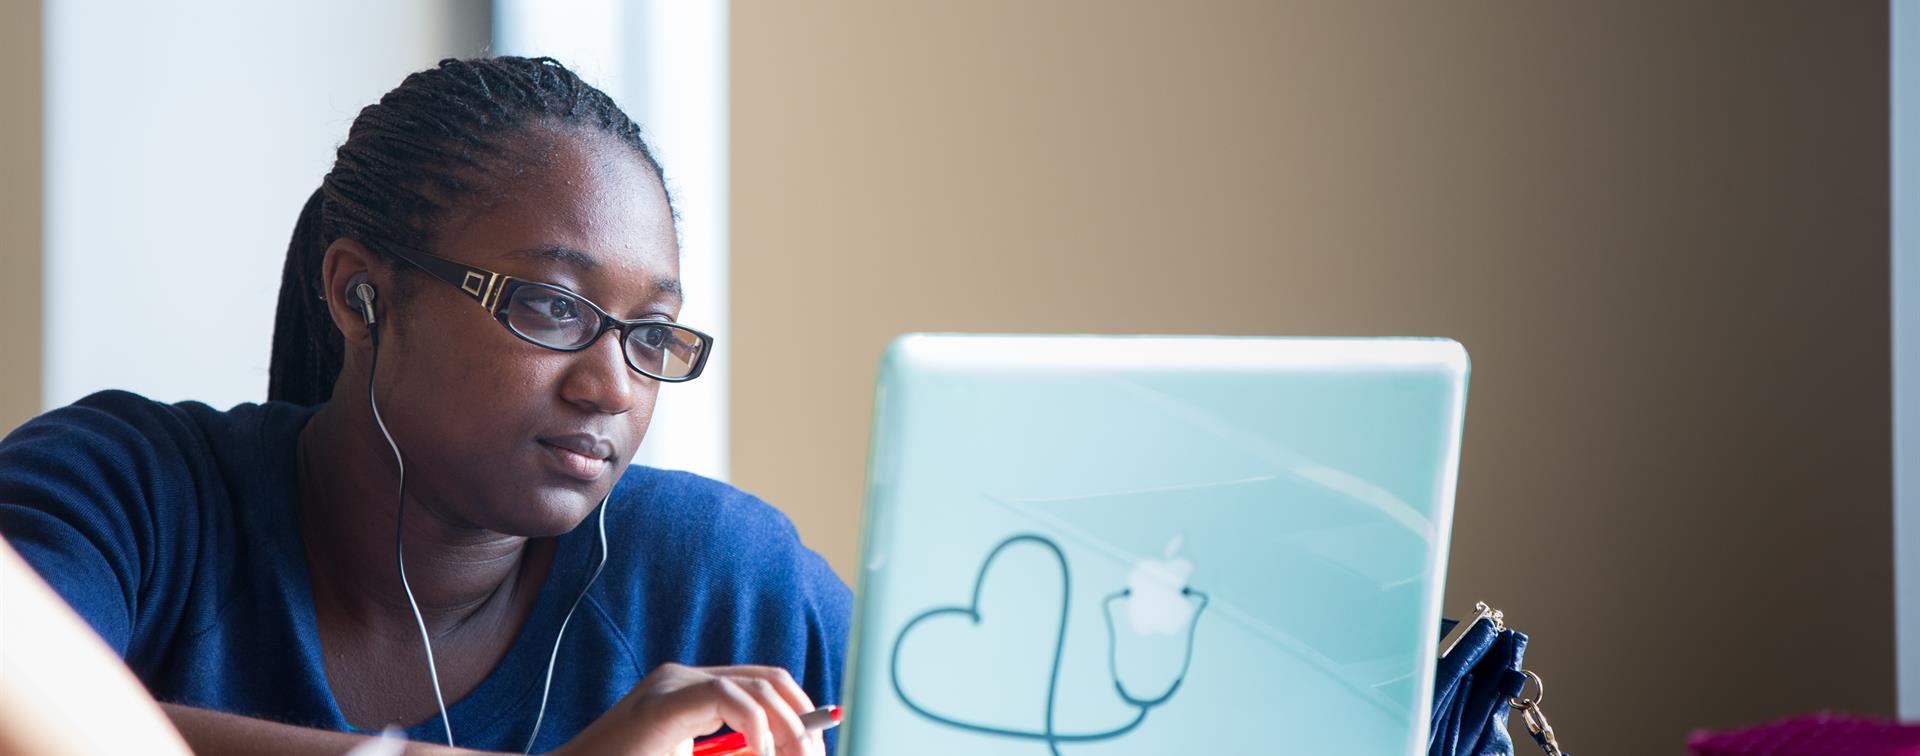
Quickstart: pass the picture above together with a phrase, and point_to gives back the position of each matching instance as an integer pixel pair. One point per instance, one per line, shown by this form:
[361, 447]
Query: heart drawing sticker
[973, 615]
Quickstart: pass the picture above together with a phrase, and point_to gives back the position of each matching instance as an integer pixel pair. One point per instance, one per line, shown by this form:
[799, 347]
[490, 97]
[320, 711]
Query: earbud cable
[554, 656]
[399, 533]
[399, 557]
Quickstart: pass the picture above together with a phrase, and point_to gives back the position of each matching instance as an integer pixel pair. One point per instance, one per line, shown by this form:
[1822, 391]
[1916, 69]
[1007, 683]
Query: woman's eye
[555, 308]
[654, 336]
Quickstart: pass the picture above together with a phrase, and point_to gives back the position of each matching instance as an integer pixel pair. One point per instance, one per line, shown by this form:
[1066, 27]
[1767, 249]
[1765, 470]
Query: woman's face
[474, 407]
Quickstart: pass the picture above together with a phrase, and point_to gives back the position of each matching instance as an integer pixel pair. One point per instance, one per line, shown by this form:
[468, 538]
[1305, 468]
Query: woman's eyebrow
[561, 253]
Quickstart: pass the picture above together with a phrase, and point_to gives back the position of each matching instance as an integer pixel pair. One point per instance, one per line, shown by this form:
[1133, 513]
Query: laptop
[1154, 545]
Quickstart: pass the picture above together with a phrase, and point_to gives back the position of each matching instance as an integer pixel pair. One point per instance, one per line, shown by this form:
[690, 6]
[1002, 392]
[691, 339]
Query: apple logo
[1157, 602]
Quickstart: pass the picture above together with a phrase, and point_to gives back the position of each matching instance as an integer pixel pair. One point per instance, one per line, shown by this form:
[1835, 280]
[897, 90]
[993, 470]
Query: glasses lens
[665, 350]
[552, 317]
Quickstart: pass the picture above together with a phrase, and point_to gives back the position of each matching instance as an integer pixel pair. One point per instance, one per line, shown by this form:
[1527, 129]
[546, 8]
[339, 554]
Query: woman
[475, 320]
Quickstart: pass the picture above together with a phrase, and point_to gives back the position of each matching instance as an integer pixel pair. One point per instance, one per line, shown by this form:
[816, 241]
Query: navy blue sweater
[171, 529]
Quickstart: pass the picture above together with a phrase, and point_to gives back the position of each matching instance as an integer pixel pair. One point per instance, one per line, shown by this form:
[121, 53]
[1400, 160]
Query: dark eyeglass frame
[492, 290]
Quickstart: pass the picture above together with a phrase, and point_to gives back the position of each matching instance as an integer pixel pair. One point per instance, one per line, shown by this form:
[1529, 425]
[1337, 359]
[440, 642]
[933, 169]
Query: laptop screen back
[1154, 545]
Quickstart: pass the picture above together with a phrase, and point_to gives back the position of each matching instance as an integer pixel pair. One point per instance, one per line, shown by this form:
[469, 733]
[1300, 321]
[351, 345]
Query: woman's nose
[601, 379]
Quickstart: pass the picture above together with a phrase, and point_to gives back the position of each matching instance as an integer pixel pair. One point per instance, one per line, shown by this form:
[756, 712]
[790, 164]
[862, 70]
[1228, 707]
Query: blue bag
[1478, 678]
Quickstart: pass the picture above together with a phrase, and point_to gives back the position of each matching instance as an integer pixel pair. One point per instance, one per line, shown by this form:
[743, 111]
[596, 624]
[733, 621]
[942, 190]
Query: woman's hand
[676, 703]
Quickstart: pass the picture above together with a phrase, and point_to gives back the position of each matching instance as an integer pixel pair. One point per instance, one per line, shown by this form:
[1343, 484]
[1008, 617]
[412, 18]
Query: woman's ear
[347, 264]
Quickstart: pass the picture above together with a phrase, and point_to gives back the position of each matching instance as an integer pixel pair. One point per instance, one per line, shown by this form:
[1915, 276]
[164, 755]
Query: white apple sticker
[1156, 604]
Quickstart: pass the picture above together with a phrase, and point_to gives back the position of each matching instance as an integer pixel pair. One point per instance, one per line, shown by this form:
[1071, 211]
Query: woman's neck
[346, 483]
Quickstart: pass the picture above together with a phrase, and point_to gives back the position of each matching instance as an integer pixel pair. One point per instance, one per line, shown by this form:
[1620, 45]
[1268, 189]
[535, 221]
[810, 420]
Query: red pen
[735, 744]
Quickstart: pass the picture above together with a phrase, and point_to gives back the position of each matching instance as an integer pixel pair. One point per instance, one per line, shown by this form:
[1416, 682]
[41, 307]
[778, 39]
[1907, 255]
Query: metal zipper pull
[1480, 611]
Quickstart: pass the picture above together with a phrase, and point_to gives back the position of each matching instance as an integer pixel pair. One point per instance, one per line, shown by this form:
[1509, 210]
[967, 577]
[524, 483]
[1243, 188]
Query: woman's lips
[573, 463]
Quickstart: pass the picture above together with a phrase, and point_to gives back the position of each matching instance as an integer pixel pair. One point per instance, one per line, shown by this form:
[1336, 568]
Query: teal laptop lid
[1154, 545]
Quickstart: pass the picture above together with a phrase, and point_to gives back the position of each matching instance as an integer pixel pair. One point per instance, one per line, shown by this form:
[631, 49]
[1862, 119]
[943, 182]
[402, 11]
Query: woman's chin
[546, 513]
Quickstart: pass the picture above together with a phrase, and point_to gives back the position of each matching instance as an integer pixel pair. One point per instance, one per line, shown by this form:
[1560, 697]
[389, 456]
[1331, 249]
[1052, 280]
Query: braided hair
[439, 137]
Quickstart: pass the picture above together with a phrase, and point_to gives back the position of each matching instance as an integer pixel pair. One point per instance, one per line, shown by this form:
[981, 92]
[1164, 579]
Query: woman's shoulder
[118, 499]
[677, 520]
[675, 500]
[116, 415]
[110, 412]
[693, 515]
[138, 454]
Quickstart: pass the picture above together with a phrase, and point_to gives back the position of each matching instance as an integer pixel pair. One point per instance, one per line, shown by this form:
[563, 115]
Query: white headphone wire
[399, 552]
[399, 532]
[554, 656]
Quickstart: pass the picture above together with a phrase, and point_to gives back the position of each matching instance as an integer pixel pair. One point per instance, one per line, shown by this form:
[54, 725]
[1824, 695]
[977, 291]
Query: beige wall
[1659, 228]
[20, 212]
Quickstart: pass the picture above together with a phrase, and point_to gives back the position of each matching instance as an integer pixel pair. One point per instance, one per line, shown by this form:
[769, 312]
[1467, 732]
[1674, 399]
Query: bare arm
[62, 689]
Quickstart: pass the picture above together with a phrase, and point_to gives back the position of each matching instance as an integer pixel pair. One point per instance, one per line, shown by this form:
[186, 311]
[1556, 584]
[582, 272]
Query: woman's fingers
[783, 723]
[815, 743]
[676, 702]
[740, 710]
[811, 743]
[782, 681]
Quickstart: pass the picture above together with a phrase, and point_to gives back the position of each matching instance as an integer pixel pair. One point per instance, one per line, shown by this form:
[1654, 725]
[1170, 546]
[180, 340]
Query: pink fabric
[1813, 735]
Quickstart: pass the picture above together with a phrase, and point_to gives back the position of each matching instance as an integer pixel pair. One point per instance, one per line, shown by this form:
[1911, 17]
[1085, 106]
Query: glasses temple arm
[479, 283]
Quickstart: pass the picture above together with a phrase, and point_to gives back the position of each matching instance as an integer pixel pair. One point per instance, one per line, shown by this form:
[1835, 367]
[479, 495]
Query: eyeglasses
[558, 319]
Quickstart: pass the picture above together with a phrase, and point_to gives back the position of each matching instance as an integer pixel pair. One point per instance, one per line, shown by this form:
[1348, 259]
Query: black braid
[407, 160]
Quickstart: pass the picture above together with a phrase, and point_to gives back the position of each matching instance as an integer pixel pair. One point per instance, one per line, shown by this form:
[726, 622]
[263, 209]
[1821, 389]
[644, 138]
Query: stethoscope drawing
[1048, 734]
